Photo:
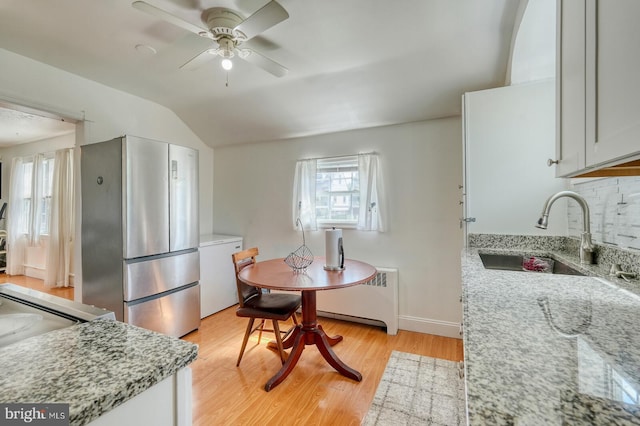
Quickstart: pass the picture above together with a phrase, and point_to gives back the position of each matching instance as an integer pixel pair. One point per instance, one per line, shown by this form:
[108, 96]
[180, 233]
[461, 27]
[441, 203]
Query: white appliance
[140, 232]
[334, 250]
[218, 288]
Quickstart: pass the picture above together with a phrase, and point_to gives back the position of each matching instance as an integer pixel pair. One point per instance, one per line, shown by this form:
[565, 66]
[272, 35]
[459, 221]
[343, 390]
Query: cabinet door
[146, 197]
[183, 183]
[495, 130]
[570, 80]
[613, 85]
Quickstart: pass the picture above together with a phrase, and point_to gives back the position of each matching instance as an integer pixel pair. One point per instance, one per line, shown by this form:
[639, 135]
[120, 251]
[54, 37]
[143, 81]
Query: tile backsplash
[614, 205]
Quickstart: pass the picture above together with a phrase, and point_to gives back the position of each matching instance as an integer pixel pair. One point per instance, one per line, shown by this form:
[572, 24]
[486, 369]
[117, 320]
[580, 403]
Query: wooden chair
[254, 304]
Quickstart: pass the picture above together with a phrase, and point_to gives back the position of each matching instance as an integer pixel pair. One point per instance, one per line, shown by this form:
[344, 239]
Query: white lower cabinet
[168, 403]
[217, 275]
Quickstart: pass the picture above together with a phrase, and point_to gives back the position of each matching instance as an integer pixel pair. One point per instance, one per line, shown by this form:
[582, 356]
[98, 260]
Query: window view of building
[337, 190]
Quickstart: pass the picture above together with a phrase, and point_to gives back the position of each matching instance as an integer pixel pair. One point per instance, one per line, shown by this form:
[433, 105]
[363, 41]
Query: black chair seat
[271, 306]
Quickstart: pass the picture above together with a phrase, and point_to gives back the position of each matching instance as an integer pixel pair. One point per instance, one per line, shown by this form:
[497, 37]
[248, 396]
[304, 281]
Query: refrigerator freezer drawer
[172, 313]
[143, 278]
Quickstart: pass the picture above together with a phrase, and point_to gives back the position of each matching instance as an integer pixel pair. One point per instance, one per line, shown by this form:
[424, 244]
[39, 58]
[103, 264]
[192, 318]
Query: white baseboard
[430, 326]
[416, 324]
[39, 273]
[34, 272]
[343, 317]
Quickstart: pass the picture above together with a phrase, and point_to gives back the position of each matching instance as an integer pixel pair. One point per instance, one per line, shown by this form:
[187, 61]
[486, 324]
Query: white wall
[107, 113]
[422, 164]
[509, 135]
[534, 50]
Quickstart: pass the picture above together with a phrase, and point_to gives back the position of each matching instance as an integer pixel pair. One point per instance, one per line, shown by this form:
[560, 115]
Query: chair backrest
[241, 260]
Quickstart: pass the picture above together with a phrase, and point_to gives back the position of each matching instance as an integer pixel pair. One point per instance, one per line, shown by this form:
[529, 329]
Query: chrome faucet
[617, 272]
[586, 246]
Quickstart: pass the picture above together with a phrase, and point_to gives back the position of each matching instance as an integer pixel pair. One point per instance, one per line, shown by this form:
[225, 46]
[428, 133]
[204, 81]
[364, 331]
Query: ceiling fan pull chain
[227, 83]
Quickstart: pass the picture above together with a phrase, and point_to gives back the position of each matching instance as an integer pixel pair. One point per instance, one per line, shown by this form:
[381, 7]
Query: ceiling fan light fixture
[227, 64]
[228, 30]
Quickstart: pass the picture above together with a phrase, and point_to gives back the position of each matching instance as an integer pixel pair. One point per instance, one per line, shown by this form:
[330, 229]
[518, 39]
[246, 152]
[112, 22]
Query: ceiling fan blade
[199, 60]
[166, 16]
[266, 17]
[265, 63]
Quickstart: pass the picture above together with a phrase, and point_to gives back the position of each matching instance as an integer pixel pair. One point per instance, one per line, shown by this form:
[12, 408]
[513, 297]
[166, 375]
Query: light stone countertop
[546, 349]
[93, 366]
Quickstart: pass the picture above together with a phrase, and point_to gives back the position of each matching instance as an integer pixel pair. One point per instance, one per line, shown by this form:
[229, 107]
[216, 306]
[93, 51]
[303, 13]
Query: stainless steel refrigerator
[140, 232]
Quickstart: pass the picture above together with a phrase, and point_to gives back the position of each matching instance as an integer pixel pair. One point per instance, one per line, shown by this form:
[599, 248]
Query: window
[27, 190]
[45, 181]
[339, 191]
[36, 184]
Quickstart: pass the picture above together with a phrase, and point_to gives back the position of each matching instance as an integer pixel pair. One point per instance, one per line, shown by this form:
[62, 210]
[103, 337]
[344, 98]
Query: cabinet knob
[551, 162]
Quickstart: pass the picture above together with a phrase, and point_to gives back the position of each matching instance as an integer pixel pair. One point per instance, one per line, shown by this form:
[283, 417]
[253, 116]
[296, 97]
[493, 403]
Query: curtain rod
[339, 156]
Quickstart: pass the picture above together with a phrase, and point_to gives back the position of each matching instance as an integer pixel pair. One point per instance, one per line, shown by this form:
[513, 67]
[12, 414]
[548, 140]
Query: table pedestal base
[310, 333]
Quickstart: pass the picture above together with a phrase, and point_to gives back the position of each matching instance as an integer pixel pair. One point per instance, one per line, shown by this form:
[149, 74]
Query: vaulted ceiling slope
[352, 64]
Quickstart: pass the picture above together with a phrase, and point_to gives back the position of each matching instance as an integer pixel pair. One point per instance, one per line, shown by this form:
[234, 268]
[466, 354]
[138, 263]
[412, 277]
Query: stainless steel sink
[513, 262]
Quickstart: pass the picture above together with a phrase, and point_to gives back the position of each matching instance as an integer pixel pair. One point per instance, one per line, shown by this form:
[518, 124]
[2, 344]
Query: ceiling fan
[229, 30]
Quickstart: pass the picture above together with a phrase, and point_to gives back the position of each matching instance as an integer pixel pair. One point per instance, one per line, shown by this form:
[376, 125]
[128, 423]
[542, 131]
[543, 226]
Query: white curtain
[372, 206]
[62, 221]
[17, 217]
[304, 195]
[372, 214]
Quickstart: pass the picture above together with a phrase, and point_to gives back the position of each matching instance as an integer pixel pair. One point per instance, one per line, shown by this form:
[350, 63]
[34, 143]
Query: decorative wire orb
[302, 257]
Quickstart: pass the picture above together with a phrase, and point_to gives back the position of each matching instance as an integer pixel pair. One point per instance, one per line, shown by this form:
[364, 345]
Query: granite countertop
[93, 366]
[547, 349]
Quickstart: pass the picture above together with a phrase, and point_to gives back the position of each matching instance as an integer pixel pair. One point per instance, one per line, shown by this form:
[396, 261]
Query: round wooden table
[274, 274]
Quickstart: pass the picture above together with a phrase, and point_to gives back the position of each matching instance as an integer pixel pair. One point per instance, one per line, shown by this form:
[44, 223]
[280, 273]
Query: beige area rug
[418, 390]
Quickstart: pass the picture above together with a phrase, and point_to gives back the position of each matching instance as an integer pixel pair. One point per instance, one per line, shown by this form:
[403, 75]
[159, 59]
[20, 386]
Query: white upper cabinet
[570, 87]
[598, 88]
[613, 80]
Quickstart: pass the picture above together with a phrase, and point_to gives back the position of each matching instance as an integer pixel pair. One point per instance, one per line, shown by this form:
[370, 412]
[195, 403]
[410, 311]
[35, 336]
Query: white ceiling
[18, 127]
[352, 64]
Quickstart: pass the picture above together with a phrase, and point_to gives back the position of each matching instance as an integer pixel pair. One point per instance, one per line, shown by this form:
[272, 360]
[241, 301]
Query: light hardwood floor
[36, 284]
[314, 393]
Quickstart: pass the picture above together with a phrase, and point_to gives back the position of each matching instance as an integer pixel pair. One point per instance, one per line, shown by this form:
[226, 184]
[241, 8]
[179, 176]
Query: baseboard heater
[373, 302]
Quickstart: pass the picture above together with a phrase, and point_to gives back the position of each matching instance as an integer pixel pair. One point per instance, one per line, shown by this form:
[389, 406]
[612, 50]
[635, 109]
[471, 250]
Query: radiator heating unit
[373, 302]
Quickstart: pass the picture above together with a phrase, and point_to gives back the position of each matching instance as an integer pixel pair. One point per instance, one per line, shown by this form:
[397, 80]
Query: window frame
[337, 165]
[40, 195]
[45, 176]
[371, 195]
[28, 164]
